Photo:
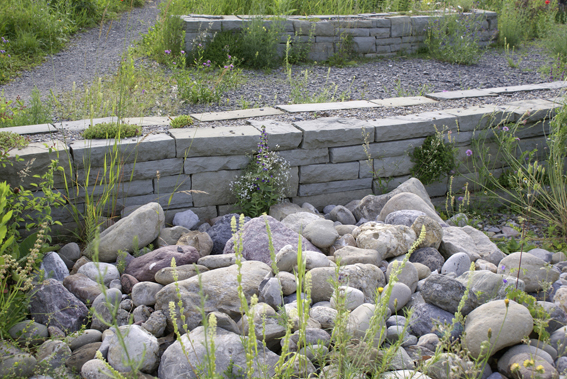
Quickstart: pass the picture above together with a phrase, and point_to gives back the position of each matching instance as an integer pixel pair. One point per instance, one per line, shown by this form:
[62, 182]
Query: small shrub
[9, 141]
[181, 121]
[434, 159]
[264, 182]
[556, 43]
[111, 130]
[455, 38]
[259, 43]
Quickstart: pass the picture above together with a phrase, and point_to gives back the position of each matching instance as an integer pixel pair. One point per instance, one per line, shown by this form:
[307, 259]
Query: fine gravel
[90, 54]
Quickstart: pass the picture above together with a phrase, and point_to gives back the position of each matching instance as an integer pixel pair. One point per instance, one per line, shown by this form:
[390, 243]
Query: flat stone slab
[319, 107]
[522, 88]
[403, 101]
[31, 129]
[531, 110]
[82, 124]
[479, 117]
[232, 115]
[558, 100]
[134, 149]
[454, 95]
[148, 121]
[334, 131]
[281, 135]
[198, 142]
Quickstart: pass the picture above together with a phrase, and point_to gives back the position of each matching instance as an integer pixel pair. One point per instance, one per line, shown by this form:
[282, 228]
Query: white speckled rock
[389, 240]
[458, 264]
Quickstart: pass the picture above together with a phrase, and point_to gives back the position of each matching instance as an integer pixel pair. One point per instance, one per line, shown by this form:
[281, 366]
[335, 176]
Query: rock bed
[369, 237]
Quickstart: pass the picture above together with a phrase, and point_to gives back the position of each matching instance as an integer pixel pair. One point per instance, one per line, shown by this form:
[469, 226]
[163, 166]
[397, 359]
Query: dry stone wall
[192, 168]
[373, 34]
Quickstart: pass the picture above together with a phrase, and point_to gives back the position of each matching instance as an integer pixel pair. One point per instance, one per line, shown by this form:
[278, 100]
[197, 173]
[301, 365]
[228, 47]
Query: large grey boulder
[255, 242]
[488, 286]
[83, 287]
[433, 231]
[484, 246]
[365, 277]
[104, 307]
[141, 348]
[298, 221]
[371, 206]
[361, 319]
[53, 266]
[446, 293]
[349, 255]
[229, 354]
[170, 236]
[408, 201]
[509, 324]
[143, 225]
[53, 305]
[321, 233]
[533, 270]
[100, 272]
[426, 318]
[389, 240]
[429, 257]
[14, 363]
[456, 240]
[220, 288]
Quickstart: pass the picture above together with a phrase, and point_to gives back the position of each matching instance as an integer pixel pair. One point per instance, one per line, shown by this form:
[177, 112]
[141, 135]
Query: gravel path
[92, 53]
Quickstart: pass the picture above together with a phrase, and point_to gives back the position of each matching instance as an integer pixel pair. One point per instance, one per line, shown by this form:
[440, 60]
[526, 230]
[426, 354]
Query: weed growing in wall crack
[264, 182]
[455, 38]
[434, 159]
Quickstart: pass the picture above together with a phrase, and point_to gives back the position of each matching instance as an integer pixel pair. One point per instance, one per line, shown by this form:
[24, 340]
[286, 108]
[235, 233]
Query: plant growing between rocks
[264, 182]
[435, 159]
[455, 38]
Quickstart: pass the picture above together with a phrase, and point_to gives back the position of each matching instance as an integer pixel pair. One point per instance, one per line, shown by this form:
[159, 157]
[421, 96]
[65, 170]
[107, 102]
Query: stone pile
[145, 298]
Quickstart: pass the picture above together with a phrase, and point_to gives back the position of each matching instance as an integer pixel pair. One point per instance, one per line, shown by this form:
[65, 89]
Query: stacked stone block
[333, 160]
[371, 35]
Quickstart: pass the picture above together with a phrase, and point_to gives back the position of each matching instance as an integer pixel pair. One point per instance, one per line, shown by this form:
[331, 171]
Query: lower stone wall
[371, 35]
[192, 168]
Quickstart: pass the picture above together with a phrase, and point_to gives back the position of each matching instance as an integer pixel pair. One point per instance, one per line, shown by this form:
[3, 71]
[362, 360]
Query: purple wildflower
[469, 152]
[505, 128]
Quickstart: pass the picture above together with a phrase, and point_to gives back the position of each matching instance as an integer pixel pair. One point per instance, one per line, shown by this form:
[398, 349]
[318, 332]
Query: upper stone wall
[373, 34]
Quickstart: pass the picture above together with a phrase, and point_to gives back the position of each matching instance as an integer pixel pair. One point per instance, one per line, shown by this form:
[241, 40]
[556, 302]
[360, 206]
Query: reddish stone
[127, 282]
[145, 267]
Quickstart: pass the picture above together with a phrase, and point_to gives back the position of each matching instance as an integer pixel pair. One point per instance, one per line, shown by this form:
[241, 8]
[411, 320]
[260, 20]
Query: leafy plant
[345, 52]
[511, 246]
[435, 159]
[181, 121]
[264, 182]
[455, 38]
[111, 130]
[10, 141]
[202, 83]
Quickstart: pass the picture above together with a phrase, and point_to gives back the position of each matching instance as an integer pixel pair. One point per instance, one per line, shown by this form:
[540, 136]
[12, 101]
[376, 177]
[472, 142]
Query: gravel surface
[392, 77]
[89, 54]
